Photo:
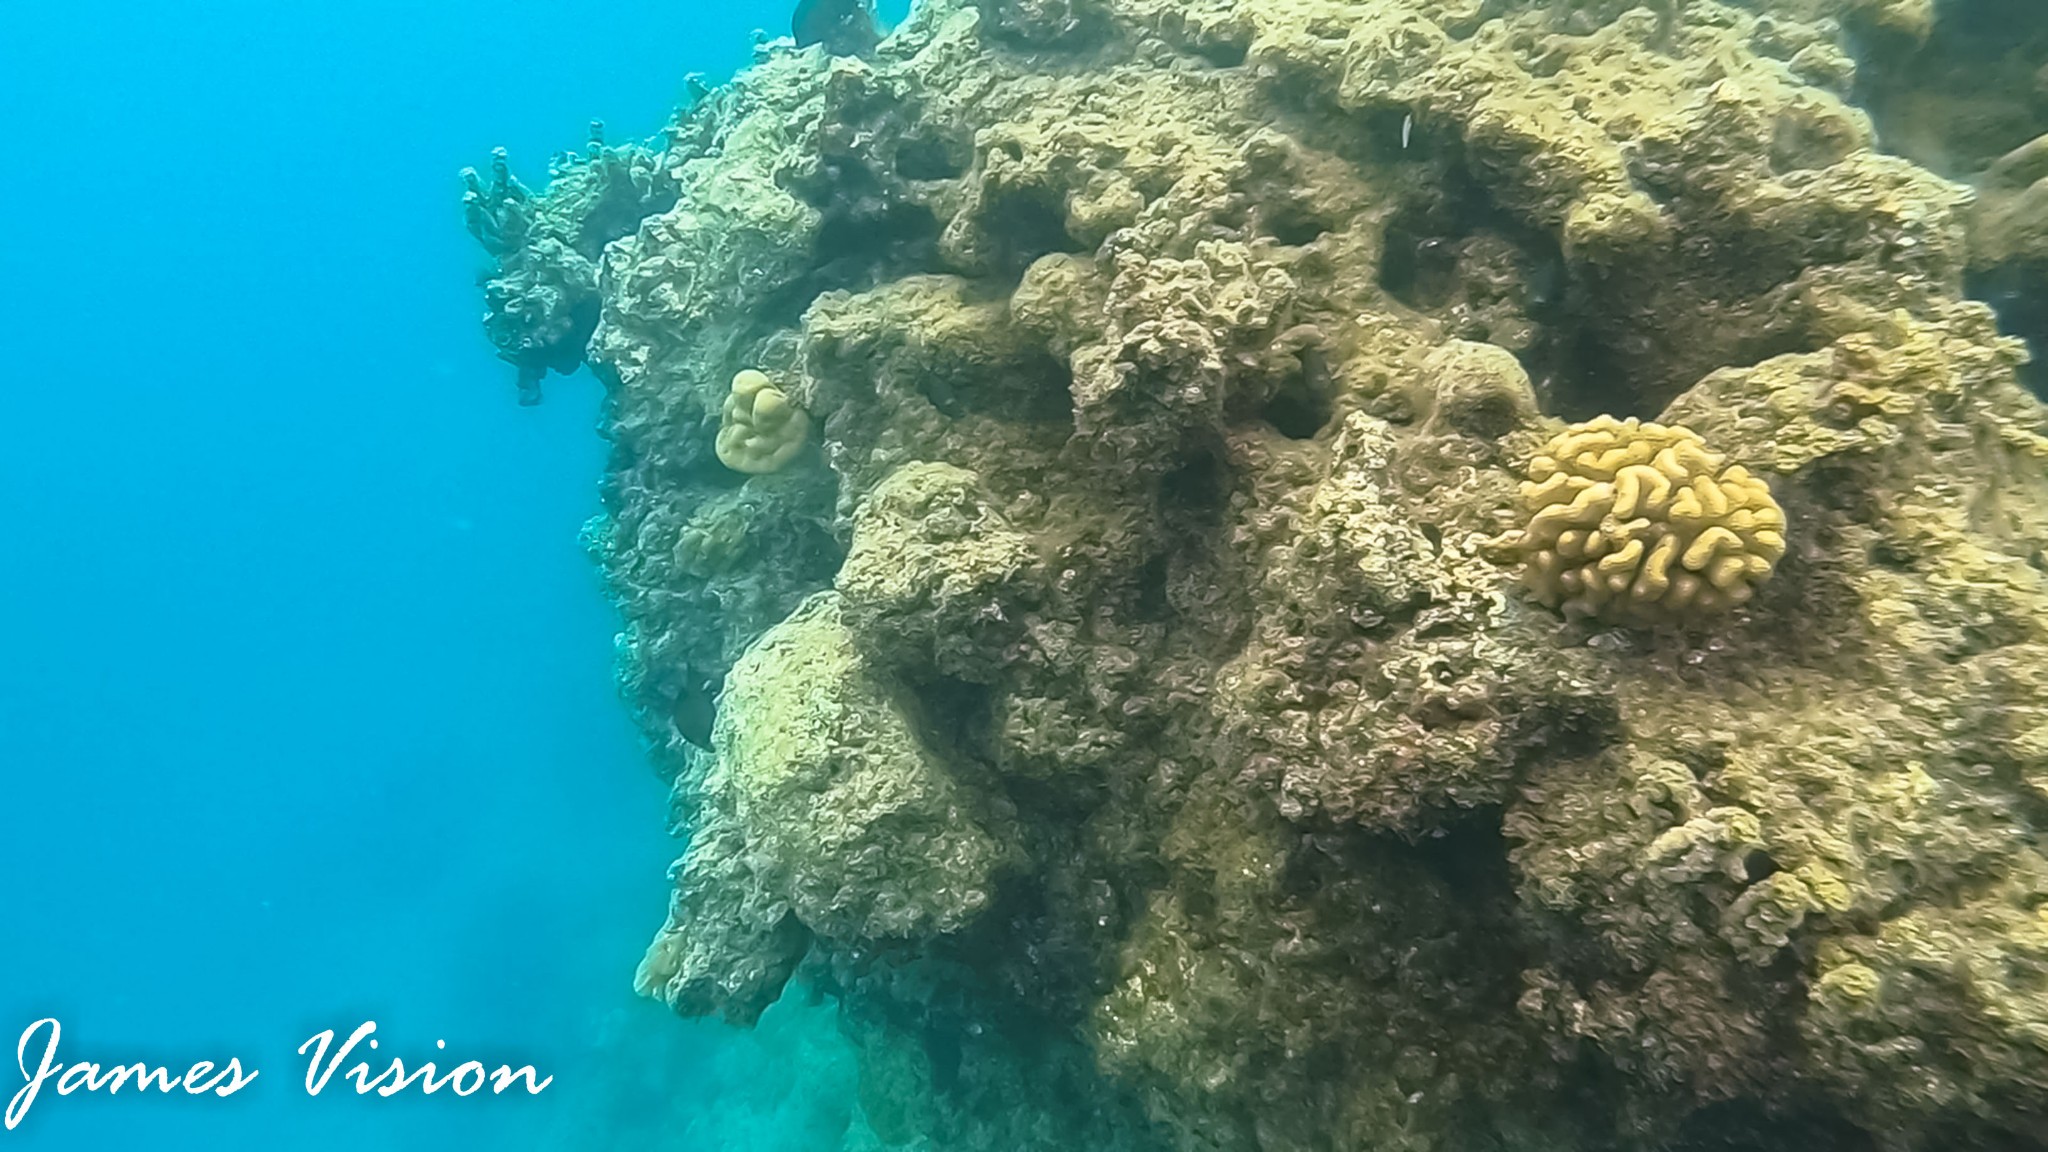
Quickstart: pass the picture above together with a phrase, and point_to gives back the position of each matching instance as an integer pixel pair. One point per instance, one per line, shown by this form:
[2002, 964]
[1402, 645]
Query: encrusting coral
[760, 431]
[1640, 523]
[810, 739]
[1123, 715]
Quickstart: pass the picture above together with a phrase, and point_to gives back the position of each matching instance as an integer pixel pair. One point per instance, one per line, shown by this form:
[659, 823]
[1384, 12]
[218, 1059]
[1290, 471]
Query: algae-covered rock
[826, 813]
[1125, 717]
[855, 818]
[935, 578]
[542, 296]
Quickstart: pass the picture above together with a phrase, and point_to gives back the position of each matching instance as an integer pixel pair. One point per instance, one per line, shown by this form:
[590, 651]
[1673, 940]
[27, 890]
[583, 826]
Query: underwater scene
[1027, 576]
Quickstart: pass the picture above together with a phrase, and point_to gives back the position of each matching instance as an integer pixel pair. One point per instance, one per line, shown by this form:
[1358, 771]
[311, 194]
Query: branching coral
[761, 430]
[542, 294]
[1640, 523]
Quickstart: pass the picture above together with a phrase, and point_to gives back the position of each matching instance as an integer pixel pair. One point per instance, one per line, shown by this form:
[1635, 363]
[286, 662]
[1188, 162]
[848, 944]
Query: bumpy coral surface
[1638, 522]
[760, 430]
[1121, 715]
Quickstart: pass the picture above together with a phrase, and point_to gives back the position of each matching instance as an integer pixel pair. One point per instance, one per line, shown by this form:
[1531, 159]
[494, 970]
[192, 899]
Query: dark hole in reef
[1223, 53]
[1392, 135]
[1578, 731]
[1191, 501]
[1054, 803]
[1584, 379]
[874, 233]
[1295, 224]
[1470, 855]
[929, 158]
[1491, 418]
[1759, 866]
[1049, 396]
[1037, 390]
[1152, 601]
[1419, 261]
[1621, 340]
[1835, 484]
[2018, 294]
[1024, 227]
[953, 715]
[1745, 1125]
[1894, 554]
[1042, 943]
[1298, 410]
[1426, 240]
[1195, 493]
[856, 251]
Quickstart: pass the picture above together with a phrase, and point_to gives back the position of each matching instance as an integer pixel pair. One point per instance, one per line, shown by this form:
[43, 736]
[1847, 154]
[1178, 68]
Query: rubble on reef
[1121, 716]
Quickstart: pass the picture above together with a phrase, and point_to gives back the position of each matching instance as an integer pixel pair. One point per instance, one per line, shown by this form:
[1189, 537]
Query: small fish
[844, 27]
[1407, 130]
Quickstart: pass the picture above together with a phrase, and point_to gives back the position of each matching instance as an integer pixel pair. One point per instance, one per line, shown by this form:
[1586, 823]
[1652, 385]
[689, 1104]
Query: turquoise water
[305, 705]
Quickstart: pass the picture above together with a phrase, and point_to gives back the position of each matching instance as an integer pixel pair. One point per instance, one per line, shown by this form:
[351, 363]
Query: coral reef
[759, 429]
[1122, 717]
[1640, 523]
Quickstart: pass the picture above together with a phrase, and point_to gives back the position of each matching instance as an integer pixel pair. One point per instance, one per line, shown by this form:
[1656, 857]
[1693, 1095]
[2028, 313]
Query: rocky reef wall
[1121, 704]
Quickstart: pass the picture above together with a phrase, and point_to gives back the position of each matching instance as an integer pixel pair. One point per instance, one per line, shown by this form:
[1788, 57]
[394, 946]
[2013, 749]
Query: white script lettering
[465, 1079]
[197, 1080]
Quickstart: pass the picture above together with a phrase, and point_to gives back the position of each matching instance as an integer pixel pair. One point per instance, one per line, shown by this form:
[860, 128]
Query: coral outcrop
[759, 431]
[542, 298]
[851, 825]
[1122, 716]
[1640, 523]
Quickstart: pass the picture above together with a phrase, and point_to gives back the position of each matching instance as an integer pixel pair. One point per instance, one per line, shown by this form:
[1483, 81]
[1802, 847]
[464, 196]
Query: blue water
[305, 709]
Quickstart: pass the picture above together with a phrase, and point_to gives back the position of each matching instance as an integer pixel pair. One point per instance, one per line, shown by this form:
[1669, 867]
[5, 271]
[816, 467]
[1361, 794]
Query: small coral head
[1636, 523]
[760, 430]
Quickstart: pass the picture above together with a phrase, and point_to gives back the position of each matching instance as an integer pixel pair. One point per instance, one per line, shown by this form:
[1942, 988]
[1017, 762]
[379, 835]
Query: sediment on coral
[1114, 700]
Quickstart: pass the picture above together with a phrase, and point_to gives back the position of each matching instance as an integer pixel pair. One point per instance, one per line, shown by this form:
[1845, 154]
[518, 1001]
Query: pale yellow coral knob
[761, 430]
[1639, 523]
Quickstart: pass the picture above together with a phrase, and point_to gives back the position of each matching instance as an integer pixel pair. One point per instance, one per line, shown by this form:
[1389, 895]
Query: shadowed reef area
[1109, 681]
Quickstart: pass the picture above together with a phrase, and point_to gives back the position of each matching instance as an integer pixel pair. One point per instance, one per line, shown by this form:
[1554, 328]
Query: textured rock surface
[1168, 766]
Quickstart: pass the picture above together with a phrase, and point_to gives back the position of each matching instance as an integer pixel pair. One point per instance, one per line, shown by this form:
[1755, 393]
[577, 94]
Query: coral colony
[1296, 575]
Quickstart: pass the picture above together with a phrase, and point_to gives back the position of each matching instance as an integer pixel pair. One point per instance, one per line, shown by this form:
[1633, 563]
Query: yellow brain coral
[761, 430]
[1639, 523]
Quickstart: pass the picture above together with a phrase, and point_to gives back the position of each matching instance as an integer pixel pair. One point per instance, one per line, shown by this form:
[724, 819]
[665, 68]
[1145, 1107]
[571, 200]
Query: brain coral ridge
[1640, 522]
[1062, 467]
